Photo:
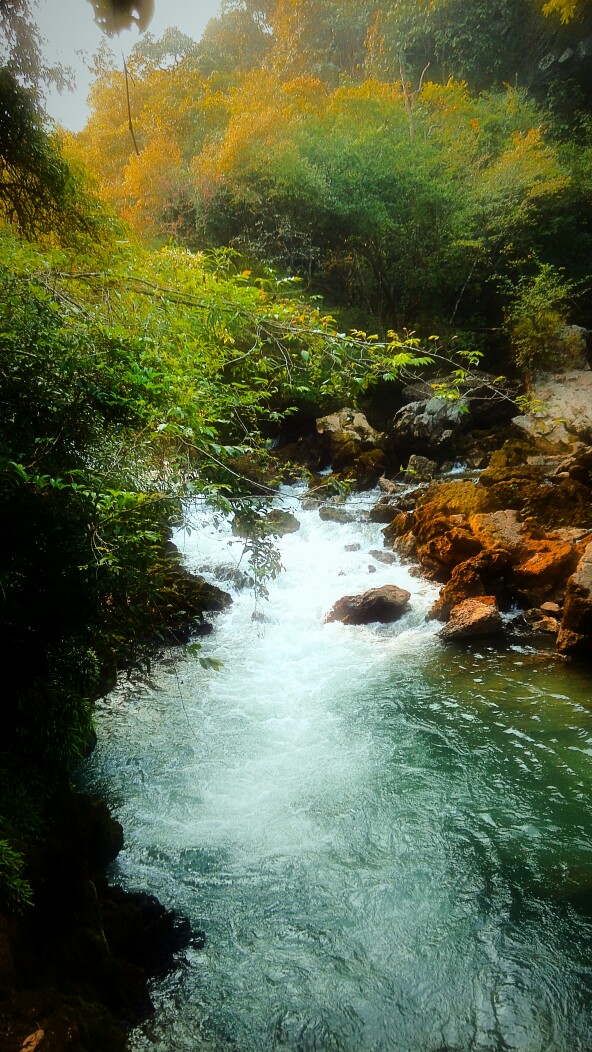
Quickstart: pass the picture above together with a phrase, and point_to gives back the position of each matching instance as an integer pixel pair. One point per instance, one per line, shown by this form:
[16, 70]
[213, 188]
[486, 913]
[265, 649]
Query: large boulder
[346, 435]
[575, 634]
[428, 426]
[386, 604]
[473, 619]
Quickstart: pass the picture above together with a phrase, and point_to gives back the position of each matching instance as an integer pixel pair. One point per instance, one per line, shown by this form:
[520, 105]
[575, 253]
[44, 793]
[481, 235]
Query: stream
[387, 841]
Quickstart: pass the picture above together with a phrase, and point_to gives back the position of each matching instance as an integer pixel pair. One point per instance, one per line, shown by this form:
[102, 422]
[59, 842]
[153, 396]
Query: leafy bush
[537, 312]
[15, 892]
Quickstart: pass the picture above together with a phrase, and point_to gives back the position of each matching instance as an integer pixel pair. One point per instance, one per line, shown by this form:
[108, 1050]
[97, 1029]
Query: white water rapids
[386, 841]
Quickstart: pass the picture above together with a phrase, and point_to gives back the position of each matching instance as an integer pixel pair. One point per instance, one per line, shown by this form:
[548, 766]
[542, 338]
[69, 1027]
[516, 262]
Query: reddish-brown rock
[384, 604]
[473, 618]
[575, 634]
[544, 573]
[484, 574]
[442, 553]
[501, 529]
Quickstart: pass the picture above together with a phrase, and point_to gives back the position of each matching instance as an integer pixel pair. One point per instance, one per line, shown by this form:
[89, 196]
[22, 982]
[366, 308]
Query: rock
[383, 557]
[545, 572]
[332, 513]
[483, 574]
[406, 548]
[501, 529]
[346, 435]
[473, 618]
[575, 634]
[442, 553]
[371, 568]
[420, 469]
[387, 486]
[386, 604]
[431, 423]
[355, 547]
[565, 409]
[282, 522]
[428, 426]
[550, 608]
[398, 525]
[383, 512]
[539, 622]
[366, 469]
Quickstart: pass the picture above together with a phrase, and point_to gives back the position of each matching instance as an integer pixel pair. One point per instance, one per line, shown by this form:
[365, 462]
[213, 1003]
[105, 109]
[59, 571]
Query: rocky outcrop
[575, 635]
[563, 413]
[473, 619]
[386, 604]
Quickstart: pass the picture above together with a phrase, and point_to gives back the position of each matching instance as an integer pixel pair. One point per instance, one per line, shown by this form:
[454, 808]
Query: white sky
[72, 37]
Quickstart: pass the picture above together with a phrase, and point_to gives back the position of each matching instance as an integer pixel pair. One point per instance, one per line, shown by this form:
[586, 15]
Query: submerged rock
[332, 513]
[386, 604]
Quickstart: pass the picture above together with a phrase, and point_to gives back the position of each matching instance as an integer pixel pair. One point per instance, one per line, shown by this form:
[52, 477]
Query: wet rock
[371, 568]
[575, 635]
[355, 547]
[383, 512]
[382, 556]
[540, 622]
[386, 604]
[366, 469]
[332, 513]
[401, 523]
[282, 522]
[472, 619]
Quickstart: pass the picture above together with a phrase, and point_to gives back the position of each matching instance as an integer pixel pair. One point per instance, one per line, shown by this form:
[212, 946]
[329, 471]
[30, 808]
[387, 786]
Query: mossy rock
[458, 498]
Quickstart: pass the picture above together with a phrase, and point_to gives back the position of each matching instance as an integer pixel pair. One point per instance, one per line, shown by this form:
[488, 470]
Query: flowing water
[386, 841]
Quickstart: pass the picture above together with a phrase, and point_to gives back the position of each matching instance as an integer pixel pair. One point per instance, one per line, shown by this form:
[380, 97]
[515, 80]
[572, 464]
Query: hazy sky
[72, 38]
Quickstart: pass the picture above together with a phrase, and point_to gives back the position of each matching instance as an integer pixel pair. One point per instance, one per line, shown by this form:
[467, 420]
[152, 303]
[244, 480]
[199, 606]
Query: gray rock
[383, 556]
[330, 513]
[564, 411]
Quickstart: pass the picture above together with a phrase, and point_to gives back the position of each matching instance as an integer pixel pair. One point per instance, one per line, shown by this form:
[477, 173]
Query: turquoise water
[386, 841]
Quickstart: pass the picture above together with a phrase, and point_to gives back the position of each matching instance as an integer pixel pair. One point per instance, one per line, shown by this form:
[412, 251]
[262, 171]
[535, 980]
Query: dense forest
[317, 198]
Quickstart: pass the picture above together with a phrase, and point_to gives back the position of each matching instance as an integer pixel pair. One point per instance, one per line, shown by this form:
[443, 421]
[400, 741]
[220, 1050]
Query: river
[386, 840]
